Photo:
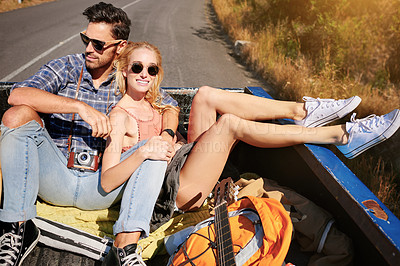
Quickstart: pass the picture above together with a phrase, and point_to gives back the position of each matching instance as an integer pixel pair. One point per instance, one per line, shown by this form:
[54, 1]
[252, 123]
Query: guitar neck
[225, 252]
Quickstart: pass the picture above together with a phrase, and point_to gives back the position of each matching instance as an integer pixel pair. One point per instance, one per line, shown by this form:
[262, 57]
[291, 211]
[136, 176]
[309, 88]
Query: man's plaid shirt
[60, 77]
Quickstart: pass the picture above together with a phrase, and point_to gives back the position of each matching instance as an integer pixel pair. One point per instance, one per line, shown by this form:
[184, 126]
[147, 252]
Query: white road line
[34, 60]
[128, 5]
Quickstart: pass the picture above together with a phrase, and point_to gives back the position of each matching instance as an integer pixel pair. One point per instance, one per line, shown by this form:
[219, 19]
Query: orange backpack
[261, 232]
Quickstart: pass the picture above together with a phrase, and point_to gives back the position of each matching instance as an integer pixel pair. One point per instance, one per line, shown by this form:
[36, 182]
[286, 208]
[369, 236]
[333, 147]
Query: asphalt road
[195, 52]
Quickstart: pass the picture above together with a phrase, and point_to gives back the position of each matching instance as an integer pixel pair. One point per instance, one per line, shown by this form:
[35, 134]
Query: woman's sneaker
[17, 241]
[323, 111]
[368, 132]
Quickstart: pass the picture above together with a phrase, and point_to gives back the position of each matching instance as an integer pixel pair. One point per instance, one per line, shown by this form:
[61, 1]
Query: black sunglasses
[97, 44]
[138, 67]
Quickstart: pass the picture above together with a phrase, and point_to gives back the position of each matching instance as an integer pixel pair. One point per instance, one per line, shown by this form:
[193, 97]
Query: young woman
[195, 168]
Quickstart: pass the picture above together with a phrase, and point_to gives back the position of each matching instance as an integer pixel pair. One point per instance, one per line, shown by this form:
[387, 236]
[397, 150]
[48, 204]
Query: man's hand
[178, 145]
[99, 122]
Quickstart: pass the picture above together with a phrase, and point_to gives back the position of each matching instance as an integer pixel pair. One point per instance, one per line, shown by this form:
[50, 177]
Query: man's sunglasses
[138, 68]
[97, 44]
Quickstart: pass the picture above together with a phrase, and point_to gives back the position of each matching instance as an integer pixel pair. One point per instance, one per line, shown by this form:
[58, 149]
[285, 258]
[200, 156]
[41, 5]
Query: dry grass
[327, 49]
[384, 186]
[287, 54]
[381, 180]
[8, 5]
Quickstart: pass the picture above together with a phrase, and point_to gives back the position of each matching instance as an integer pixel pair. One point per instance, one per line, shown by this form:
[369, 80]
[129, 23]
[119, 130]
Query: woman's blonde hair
[153, 95]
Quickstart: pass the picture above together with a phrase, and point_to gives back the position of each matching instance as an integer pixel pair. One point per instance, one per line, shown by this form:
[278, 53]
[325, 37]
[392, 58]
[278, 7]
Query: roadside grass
[326, 49]
[8, 5]
[379, 177]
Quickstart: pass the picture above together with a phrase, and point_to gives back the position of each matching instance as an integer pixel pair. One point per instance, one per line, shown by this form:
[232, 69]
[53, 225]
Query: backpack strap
[255, 242]
[246, 212]
[246, 252]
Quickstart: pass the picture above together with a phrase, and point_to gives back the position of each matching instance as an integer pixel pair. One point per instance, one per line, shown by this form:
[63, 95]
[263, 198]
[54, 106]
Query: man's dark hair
[110, 14]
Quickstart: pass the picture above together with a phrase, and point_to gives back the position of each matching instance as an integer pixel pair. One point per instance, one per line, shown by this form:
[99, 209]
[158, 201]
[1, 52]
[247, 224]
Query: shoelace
[132, 259]
[323, 102]
[366, 124]
[9, 247]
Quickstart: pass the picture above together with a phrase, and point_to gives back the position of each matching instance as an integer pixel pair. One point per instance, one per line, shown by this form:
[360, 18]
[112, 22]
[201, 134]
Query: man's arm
[42, 101]
[45, 102]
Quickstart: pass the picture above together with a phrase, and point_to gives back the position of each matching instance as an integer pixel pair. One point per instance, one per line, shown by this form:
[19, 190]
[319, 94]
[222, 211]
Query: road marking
[128, 5]
[34, 60]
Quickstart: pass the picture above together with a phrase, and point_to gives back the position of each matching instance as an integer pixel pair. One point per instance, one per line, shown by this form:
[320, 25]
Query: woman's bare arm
[114, 172]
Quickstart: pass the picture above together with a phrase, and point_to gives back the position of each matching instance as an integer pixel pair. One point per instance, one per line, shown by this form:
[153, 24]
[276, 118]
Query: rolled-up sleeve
[51, 76]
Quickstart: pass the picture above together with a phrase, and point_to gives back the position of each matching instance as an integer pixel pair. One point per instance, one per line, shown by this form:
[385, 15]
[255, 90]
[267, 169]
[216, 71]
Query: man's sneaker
[17, 241]
[126, 256]
[323, 111]
[368, 132]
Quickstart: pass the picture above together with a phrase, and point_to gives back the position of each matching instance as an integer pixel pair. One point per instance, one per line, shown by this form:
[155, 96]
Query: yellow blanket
[100, 223]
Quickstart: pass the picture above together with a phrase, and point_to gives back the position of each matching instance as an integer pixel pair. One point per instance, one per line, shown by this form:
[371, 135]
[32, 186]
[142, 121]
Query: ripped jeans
[32, 166]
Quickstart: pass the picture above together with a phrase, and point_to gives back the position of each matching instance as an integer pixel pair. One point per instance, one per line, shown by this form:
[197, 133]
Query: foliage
[329, 49]
[8, 5]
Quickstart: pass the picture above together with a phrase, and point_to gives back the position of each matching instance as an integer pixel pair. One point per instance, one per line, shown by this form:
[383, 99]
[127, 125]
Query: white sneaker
[368, 132]
[323, 111]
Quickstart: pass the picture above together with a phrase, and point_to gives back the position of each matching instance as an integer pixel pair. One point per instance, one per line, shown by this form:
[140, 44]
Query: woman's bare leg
[204, 165]
[210, 101]
[206, 161]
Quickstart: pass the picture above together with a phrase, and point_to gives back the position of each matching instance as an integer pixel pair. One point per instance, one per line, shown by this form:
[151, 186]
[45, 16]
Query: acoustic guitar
[224, 194]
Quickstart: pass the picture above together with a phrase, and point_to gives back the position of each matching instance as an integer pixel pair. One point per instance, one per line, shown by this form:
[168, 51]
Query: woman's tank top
[146, 128]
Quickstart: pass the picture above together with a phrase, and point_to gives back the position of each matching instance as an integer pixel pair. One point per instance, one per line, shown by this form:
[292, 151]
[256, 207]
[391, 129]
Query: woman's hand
[178, 145]
[157, 149]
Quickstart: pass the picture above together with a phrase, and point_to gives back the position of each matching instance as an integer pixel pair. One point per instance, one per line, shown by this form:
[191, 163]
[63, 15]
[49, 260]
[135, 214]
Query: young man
[68, 98]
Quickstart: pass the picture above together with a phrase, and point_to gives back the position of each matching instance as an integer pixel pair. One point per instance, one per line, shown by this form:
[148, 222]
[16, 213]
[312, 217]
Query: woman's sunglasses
[97, 44]
[138, 68]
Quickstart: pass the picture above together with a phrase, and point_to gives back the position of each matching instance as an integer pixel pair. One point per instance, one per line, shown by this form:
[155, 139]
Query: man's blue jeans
[32, 166]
